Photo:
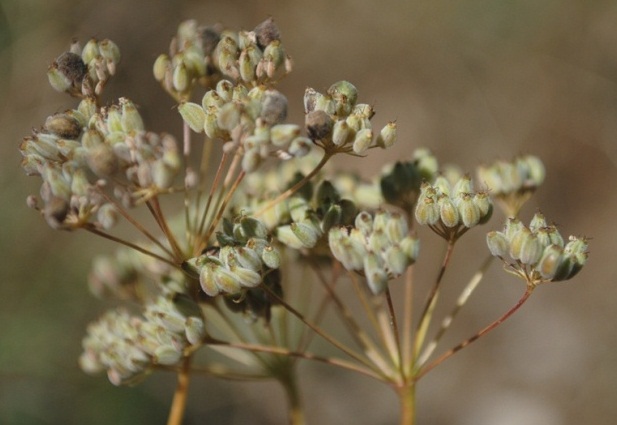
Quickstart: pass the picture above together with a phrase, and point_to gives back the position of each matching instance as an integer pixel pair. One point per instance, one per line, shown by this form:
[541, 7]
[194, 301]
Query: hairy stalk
[460, 302]
[424, 370]
[178, 405]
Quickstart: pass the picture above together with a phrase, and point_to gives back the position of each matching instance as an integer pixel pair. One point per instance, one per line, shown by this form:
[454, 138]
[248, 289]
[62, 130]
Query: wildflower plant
[231, 272]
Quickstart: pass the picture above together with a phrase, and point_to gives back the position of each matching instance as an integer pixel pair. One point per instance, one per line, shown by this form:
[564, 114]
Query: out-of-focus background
[474, 81]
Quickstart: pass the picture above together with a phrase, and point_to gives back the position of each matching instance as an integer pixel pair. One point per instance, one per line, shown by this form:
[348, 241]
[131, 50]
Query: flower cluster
[336, 122]
[128, 346]
[451, 210]
[251, 119]
[240, 262]
[79, 152]
[379, 246]
[538, 252]
[84, 72]
[512, 183]
[204, 54]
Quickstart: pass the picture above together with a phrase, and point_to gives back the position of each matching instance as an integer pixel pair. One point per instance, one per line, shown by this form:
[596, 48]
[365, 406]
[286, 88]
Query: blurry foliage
[499, 78]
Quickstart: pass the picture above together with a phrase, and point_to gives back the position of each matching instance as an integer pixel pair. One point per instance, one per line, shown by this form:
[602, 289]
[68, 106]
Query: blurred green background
[473, 80]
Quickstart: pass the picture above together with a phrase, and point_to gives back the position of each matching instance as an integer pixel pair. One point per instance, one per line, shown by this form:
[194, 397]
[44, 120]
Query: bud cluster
[451, 210]
[302, 220]
[250, 119]
[380, 247]
[78, 152]
[240, 262]
[512, 183]
[201, 54]
[336, 122]
[400, 183]
[84, 72]
[538, 253]
[128, 346]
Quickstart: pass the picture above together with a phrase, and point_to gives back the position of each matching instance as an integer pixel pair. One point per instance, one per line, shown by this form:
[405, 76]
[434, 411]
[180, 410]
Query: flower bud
[537, 222]
[167, 355]
[341, 133]
[68, 69]
[387, 135]
[193, 115]
[162, 65]
[63, 125]
[517, 242]
[411, 246]
[364, 223]
[110, 52]
[195, 330]
[448, 212]
[318, 125]
[468, 211]
[266, 33]
[497, 244]
[532, 250]
[101, 160]
[344, 95]
[427, 211]
[274, 107]
[271, 257]
[396, 228]
[282, 134]
[332, 217]
[362, 141]
[229, 116]
[246, 277]
[376, 277]
[307, 233]
[288, 237]
[550, 262]
[396, 260]
[180, 77]
[131, 119]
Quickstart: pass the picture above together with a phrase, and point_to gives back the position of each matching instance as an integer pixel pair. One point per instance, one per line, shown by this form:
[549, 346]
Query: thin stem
[423, 371]
[289, 192]
[460, 302]
[408, 321]
[155, 207]
[178, 405]
[361, 338]
[134, 222]
[213, 188]
[431, 302]
[223, 206]
[394, 330]
[294, 400]
[320, 331]
[303, 355]
[130, 245]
